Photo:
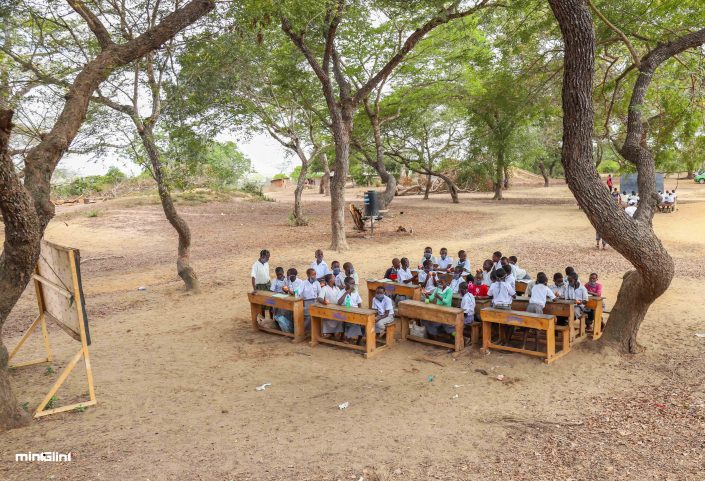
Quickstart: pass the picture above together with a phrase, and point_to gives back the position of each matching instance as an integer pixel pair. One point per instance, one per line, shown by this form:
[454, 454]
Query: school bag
[284, 323]
[417, 330]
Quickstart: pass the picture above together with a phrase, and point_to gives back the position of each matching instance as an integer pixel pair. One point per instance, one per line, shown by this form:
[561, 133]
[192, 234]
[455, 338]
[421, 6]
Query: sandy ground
[175, 373]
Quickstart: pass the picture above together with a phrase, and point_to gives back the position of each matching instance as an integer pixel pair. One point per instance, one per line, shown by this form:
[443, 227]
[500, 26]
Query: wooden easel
[57, 284]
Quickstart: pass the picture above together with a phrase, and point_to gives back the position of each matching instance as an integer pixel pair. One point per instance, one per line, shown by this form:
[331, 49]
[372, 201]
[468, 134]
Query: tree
[316, 34]
[25, 204]
[634, 238]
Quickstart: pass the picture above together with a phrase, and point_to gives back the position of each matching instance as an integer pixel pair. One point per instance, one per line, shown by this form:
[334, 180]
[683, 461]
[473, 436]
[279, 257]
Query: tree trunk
[298, 215]
[633, 238]
[325, 179]
[544, 174]
[428, 187]
[20, 254]
[183, 261]
[342, 130]
[452, 188]
[498, 177]
[506, 177]
[691, 174]
[389, 180]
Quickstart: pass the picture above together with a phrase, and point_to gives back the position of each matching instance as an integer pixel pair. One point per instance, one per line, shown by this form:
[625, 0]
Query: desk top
[431, 306]
[276, 295]
[355, 310]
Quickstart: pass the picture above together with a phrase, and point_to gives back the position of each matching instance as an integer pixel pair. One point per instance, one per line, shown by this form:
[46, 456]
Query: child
[348, 271]
[519, 273]
[501, 291]
[558, 286]
[427, 255]
[457, 279]
[631, 208]
[279, 281]
[335, 268]
[350, 298]
[577, 292]
[319, 265]
[467, 303]
[539, 293]
[497, 260]
[293, 284]
[445, 263]
[463, 261]
[476, 287]
[443, 296]
[427, 278]
[385, 311]
[393, 272]
[485, 272]
[404, 274]
[260, 272]
[593, 287]
[568, 271]
[329, 295]
[310, 291]
[598, 238]
[509, 276]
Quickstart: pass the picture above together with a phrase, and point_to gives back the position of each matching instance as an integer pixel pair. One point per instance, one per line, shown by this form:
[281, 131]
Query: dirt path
[175, 373]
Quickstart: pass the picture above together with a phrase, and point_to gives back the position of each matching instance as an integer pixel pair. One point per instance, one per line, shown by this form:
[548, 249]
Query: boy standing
[501, 292]
[260, 272]
[319, 265]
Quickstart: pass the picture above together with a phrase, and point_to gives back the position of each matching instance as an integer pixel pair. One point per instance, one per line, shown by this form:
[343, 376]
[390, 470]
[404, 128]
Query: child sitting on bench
[444, 262]
[427, 278]
[457, 279]
[329, 295]
[443, 296]
[576, 291]
[476, 287]
[350, 298]
[385, 311]
[539, 293]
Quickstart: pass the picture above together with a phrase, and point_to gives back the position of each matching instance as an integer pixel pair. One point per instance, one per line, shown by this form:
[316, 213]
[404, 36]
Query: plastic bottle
[347, 301]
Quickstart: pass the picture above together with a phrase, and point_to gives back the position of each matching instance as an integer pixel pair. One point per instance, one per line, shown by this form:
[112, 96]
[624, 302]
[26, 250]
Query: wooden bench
[558, 308]
[280, 301]
[353, 315]
[411, 291]
[541, 322]
[595, 303]
[417, 310]
[520, 287]
[475, 329]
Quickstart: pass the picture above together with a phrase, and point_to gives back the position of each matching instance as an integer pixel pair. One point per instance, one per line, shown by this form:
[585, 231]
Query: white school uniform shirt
[355, 299]
[404, 275]
[310, 290]
[501, 293]
[455, 283]
[340, 280]
[630, 210]
[539, 293]
[558, 289]
[432, 258]
[486, 280]
[467, 304]
[330, 294]
[383, 306]
[321, 269]
[578, 293]
[426, 280]
[497, 265]
[445, 263]
[295, 286]
[663, 195]
[670, 198]
[529, 288]
[277, 285]
[260, 272]
[518, 272]
[511, 280]
[465, 265]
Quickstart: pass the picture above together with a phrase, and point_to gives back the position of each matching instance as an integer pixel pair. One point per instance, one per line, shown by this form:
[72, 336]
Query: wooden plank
[354, 315]
[429, 312]
[74, 259]
[515, 318]
[411, 291]
[56, 287]
[289, 303]
[62, 377]
[65, 327]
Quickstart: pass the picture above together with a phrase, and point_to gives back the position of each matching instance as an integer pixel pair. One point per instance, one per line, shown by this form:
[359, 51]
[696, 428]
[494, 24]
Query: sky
[267, 155]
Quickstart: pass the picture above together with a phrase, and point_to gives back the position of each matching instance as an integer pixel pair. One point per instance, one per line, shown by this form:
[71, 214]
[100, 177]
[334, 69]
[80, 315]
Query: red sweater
[476, 290]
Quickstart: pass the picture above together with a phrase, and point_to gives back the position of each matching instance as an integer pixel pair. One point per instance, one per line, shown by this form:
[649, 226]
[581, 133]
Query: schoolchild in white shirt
[501, 291]
[329, 295]
[348, 271]
[485, 272]
[539, 293]
[444, 262]
[467, 303]
[319, 265]
[350, 298]
[457, 279]
[385, 310]
[509, 276]
[310, 291]
[558, 286]
[463, 261]
[427, 255]
[427, 278]
[577, 291]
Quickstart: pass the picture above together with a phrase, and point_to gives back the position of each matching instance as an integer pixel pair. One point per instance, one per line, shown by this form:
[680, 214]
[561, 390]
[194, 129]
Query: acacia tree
[316, 34]
[634, 238]
[24, 203]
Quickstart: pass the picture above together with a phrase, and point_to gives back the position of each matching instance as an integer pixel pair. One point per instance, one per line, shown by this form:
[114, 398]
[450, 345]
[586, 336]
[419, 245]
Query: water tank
[371, 203]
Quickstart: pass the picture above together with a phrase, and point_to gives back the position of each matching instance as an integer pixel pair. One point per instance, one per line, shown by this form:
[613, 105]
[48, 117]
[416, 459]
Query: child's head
[427, 265]
[279, 271]
[477, 280]
[568, 270]
[493, 276]
[633, 193]
[463, 288]
[348, 268]
[513, 260]
[504, 260]
[404, 262]
[507, 269]
[379, 293]
[264, 255]
[319, 255]
[349, 283]
[442, 282]
[444, 252]
[496, 256]
[541, 278]
[292, 273]
[462, 255]
[335, 265]
[458, 271]
[573, 279]
[396, 263]
[487, 265]
[311, 274]
[329, 279]
[427, 252]
[593, 277]
[558, 278]
[500, 274]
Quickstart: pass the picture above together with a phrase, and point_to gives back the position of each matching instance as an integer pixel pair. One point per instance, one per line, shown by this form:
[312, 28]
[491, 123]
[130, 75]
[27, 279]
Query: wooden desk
[558, 308]
[412, 291]
[353, 315]
[272, 299]
[520, 287]
[595, 303]
[480, 303]
[526, 320]
[417, 310]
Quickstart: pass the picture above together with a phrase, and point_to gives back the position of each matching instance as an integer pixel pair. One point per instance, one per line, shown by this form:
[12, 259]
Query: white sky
[267, 155]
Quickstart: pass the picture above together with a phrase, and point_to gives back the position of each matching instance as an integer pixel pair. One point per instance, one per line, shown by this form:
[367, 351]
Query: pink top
[594, 289]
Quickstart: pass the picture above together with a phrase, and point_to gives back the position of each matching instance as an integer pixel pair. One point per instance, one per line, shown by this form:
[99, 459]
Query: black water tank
[371, 203]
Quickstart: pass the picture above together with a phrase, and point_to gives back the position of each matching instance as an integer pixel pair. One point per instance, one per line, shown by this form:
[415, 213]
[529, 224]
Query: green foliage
[255, 190]
[48, 371]
[52, 403]
[93, 213]
[281, 176]
[94, 184]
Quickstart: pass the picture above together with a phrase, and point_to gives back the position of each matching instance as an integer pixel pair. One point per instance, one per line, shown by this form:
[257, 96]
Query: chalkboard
[628, 183]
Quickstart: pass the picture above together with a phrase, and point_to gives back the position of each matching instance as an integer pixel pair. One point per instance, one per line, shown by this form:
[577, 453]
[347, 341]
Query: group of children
[630, 202]
[497, 280]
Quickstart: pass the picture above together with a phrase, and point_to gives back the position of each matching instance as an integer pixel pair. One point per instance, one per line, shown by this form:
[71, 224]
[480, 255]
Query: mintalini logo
[45, 457]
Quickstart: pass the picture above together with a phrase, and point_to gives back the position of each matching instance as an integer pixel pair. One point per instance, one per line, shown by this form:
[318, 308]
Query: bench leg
[390, 334]
[475, 334]
[486, 333]
[370, 338]
[299, 326]
[255, 310]
[315, 329]
[459, 339]
[404, 328]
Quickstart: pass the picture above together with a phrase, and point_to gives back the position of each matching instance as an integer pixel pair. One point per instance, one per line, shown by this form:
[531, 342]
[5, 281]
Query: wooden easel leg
[45, 335]
[64, 374]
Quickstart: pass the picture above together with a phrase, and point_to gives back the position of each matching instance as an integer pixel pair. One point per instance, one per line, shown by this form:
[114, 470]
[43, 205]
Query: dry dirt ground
[175, 373]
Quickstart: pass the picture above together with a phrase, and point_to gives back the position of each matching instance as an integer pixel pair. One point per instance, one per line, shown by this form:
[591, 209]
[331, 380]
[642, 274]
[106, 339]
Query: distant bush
[255, 190]
[93, 184]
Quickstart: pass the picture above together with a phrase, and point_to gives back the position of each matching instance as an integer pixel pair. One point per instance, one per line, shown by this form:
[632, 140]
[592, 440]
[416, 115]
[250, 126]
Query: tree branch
[96, 26]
